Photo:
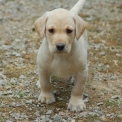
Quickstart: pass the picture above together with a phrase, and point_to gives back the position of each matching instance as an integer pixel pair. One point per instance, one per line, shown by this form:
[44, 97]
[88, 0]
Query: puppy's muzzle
[60, 46]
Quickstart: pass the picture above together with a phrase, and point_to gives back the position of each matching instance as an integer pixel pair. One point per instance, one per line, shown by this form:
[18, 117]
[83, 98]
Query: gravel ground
[19, 44]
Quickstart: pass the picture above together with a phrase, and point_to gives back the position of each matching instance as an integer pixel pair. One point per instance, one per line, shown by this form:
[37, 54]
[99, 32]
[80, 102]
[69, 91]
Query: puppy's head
[60, 27]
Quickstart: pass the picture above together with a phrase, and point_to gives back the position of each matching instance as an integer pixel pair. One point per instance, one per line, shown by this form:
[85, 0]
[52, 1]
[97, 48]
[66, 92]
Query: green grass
[21, 95]
[112, 103]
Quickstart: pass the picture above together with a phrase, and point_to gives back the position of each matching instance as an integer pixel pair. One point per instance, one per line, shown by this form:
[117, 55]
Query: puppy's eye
[68, 31]
[51, 31]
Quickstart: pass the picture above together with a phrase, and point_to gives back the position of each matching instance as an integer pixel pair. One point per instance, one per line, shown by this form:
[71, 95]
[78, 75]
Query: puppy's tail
[78, 6]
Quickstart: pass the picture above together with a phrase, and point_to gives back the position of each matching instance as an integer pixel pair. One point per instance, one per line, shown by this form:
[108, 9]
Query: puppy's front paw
[76, 104]
[47, 98]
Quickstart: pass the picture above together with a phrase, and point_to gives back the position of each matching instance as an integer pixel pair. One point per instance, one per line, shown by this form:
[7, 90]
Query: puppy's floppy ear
[40, 25]
[80, 26]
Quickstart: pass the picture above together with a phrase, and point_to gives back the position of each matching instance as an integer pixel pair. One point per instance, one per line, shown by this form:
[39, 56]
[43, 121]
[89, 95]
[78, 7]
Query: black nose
[60, 47]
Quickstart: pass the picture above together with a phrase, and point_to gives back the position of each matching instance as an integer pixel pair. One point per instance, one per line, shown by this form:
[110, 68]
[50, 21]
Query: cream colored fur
[71, 61]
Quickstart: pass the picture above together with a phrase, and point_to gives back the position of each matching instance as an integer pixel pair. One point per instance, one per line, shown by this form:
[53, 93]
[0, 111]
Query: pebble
[92, 113]
[85, 95]
[9, 121]
[37, 113]
[49, 112]
[22, 77]
[16, 54]
[103, 41]
[63, 120]
[7, 92]
[61, 113]
[115, 97]
[73, 120]
[18, 116]
[59, 98]
[29, 101]
[118, 55]
[13, 81]
[89, 18]
[57, 118]
[108, 115]
[3, 80]
[0, 93]
[102, 53]
[103, 118]
[101, 103]
[83, 114]
[66, 117]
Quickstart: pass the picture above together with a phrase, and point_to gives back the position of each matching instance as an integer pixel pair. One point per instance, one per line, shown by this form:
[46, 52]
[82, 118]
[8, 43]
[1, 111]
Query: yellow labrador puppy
[63, 53]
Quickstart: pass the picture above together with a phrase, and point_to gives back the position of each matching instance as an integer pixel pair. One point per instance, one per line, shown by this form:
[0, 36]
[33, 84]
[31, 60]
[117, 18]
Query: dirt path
[19, 44]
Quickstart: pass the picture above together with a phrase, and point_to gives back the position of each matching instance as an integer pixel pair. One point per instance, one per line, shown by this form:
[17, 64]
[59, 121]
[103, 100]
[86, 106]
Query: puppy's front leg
[46, 95]
[76, 102]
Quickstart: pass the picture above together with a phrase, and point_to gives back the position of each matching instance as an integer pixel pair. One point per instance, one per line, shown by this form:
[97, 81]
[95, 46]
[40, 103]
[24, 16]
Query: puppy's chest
[62, 68]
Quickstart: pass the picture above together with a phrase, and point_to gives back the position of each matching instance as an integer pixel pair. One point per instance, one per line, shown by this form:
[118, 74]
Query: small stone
[115, 97]
[102, 53]
[7, 92]
[9, 121]
[16, 54]
[115, 62]
[103, 118]
[73, 120]
[103, 41]
[89, 18]
[22, 77]
[92, 113]
[37, 113]
[15, 115]
[65, 117]
[61, 87]
[108, 115]
[61, 113]
[101, 103]
[49, 112]
[100, 113]
[13, 81]
[63, 120]
[29, 101]
[57, 118]
[59, 98]
[83, 114]
[118, 55]
[85, 95]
